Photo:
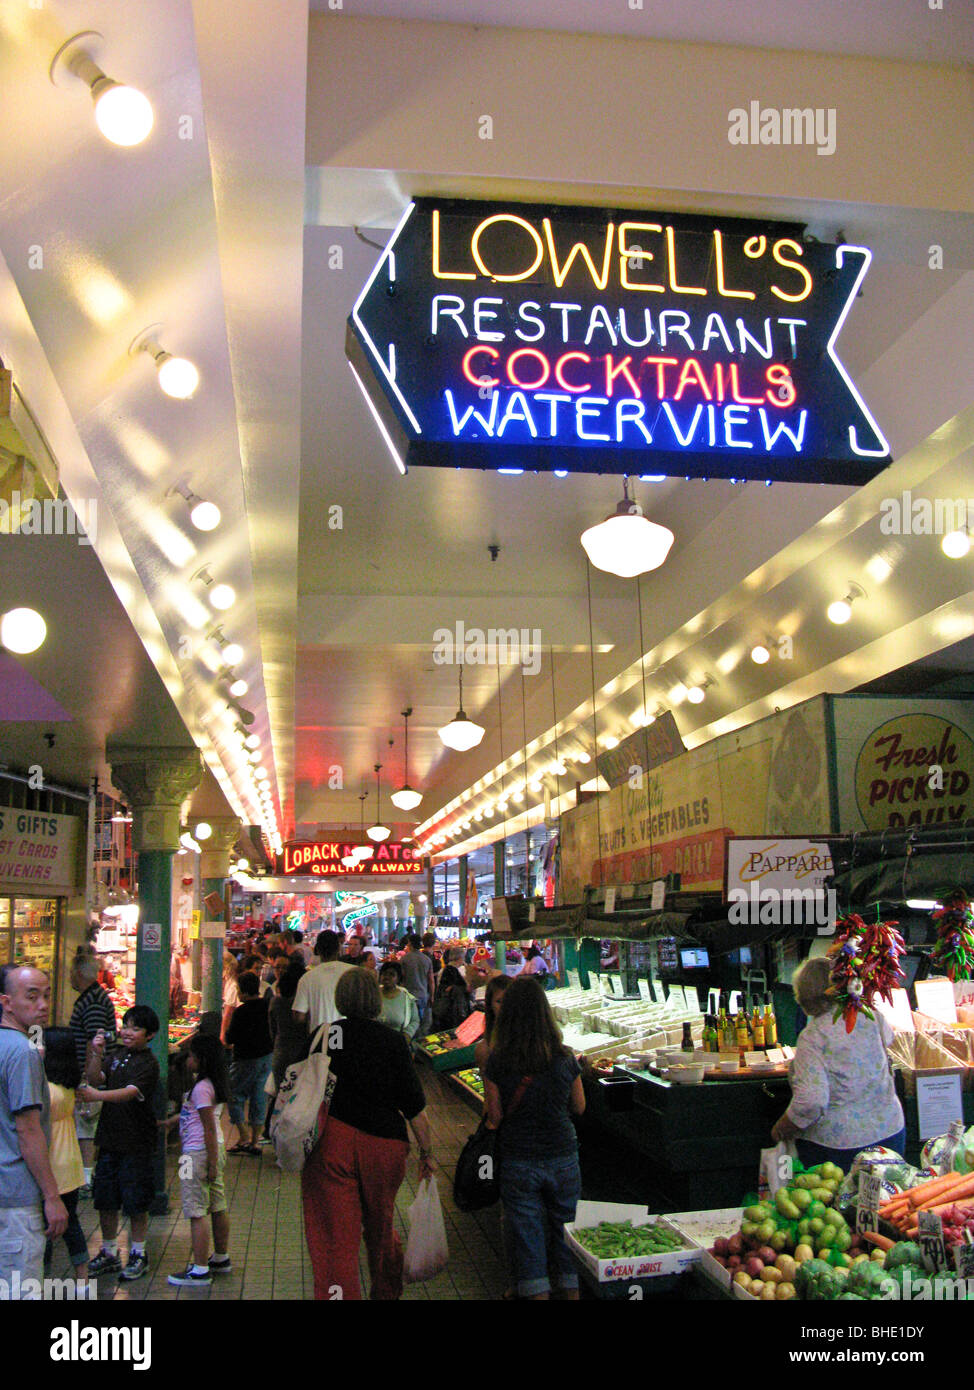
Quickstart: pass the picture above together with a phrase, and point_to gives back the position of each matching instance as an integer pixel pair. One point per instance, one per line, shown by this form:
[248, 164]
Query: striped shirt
[92, 1010]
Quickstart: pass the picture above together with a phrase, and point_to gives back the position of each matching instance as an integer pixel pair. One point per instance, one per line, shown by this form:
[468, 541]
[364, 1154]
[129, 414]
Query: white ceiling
[206, 235]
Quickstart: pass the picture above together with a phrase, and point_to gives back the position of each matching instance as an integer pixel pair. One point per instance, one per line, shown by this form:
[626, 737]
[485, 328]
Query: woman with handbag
[350, 1181]
[534, 1086]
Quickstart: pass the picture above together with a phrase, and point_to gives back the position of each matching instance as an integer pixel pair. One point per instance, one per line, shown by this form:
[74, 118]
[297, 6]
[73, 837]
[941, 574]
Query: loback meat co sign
[323, 859]
[578, 339]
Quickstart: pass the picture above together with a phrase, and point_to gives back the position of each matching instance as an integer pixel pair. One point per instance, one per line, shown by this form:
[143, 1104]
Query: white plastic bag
[426, 1249]
[776, 1168]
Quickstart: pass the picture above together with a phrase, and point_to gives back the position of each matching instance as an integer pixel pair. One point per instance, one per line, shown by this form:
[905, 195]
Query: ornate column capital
[155, 782]
[215, 859]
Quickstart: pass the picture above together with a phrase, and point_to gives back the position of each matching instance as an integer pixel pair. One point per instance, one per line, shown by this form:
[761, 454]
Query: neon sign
[578, 339]
[323, 859]
[356, 907]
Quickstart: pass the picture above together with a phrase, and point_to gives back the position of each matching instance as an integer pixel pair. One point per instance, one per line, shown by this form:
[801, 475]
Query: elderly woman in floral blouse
[842, 1095]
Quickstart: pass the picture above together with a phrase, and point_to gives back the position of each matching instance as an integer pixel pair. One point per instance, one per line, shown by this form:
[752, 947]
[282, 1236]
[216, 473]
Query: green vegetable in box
[904, 1252]
[611, 1240]
[867, 1279]
[815, 1281]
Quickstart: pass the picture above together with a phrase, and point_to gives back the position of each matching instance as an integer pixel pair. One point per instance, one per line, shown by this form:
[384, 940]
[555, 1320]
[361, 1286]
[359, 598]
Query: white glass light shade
[363, 851]
[461, 734]
[378, 833]
[205, 516]
[22, 630]
[406, 799]
[123, 114]
[178, 377]
[627, 543]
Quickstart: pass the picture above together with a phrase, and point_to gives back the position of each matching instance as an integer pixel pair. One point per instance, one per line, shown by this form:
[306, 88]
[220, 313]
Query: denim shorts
[123, 1182]
[539, 1197]
[247, 1077]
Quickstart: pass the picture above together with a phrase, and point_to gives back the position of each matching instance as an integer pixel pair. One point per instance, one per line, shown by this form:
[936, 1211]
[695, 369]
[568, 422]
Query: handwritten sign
[930, 1238]
[870, 1194]
[610, 900]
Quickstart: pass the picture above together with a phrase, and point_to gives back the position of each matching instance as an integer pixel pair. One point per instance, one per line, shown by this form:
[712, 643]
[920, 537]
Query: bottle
[729, 1038]
[757, 1029]
[770, 1024]
[722, 1018]
[743, 1036]
[686, 1044]
[712, 1039]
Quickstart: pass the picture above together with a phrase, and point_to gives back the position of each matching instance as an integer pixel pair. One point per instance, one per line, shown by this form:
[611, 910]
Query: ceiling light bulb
[760, 654]
[610, 741]
[583, 757]
[178, 376]
[203, 830]
[695, 695]
[839, 612]
[461, 734]
[223, 596]
[238, 688]
[535, 786]
[252, 741]
[254, 756]
[205, 516]
[956, 544]
[243, 863]
[627, 543]
[378, 833]
[233, 654]
[22, 630]
[349, 861]
[123, 114]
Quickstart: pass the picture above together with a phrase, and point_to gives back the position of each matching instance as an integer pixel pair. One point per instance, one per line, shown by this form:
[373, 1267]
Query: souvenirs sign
[599, 341]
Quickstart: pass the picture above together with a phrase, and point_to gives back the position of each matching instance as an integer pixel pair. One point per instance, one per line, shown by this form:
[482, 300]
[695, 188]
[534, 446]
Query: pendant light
[461, 734]
[378, 832]
[406, 799]
[627, 543]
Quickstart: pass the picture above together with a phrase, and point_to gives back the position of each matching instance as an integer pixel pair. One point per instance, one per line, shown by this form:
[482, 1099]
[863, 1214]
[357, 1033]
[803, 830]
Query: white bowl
[728, 1063]
[686, 1076]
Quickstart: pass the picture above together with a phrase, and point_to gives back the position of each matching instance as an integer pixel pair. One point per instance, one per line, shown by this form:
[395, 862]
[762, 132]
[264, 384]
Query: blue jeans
[247, 1077]
[812, 1154]
[539, 1196]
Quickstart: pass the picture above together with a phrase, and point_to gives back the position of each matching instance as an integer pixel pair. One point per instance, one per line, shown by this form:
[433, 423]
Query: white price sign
[930, 1238]
[964, 1261]
[574, 979]
[610, 900]
[644, 991]
[870, 1192]
[617, 988]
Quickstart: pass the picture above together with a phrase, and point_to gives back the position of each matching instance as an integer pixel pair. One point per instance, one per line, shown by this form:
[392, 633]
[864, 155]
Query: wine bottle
[770, 1024]
[743, 1035]
[686, 1044]
[757, 1029]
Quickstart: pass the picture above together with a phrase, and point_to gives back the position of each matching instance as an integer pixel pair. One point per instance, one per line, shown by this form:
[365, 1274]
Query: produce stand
[697, 1146]
[444, 1052]
[467, 1084]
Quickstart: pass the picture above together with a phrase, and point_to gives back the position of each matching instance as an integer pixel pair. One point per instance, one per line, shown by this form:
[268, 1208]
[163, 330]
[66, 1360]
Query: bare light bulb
[205, 516]
[956, 544]
[223, 596]
[178, 376]
[22, 630]
[122, 114]
[839, 612]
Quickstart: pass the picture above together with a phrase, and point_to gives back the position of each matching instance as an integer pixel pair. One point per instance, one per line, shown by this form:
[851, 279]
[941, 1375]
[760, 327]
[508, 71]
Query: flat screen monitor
[694, 958]
[909, 964]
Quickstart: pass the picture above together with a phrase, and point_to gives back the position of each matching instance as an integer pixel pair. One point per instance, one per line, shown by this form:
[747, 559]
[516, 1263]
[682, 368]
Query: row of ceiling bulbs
[125, 117]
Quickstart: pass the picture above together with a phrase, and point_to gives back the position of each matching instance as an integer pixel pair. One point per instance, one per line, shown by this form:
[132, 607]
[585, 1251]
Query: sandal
[239, 1149]
[252, 1150]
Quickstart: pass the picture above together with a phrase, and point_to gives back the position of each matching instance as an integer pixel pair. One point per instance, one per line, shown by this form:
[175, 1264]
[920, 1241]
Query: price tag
[658, 898]
[870, 1193]
[610, 900]
[617, 989]
[532, 912]
[964, 1261]
[574, 979]
[930, 1238]
[776, 1055]
[645, 990]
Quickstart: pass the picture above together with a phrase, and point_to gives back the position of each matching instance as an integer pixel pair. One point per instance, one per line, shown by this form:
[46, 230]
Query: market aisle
[267, 1246]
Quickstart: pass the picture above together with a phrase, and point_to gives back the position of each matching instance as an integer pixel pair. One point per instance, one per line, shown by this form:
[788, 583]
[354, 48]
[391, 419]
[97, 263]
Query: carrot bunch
[937, 1195]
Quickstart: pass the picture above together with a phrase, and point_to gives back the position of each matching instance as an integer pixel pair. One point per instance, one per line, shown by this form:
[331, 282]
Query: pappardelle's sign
[494, 335]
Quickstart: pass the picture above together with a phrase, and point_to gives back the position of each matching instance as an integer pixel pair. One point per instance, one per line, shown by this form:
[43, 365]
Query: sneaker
[104, 1263]
[84, 1193]
[136, 1267]
[220, 1266]
[186, 1279]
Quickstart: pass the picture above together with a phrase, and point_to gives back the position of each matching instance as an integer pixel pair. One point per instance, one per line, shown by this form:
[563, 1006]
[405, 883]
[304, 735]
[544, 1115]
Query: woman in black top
[350, 1181]
[534, 1086]
[452, 1002]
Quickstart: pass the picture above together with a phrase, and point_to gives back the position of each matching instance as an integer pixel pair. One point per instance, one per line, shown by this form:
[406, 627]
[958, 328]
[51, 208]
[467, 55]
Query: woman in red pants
[350, 1181]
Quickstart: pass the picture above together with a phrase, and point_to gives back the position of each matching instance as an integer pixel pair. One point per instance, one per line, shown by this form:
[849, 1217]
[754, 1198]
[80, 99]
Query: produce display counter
[469, 1087]
[445, 1052]
[698, 1147]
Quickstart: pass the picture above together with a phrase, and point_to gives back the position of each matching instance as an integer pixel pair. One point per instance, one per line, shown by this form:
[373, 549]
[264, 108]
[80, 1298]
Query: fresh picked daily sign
[539, 337]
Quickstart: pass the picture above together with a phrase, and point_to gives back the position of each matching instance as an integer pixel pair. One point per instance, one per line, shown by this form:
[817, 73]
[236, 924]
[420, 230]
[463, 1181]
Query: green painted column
[462, 871]
[214, 863]
[155, 782]
[500, 887]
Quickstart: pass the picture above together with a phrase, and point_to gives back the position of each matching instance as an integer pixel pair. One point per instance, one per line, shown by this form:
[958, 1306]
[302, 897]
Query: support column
[462, 889]
[500, 887]
[214, 863]
[155, 782]
[430, 888]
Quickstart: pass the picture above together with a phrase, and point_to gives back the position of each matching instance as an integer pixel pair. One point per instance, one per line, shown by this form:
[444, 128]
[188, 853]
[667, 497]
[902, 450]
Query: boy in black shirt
[250, 1038]
[126, 1138]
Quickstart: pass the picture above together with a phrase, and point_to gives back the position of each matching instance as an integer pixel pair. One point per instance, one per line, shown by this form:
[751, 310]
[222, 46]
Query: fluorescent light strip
[379, 421]
[867, 256]
[386, 255]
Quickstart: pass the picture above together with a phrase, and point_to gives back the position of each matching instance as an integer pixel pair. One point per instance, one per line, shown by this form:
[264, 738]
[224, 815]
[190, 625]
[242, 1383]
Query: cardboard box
[630, 1266]
[701, 1228]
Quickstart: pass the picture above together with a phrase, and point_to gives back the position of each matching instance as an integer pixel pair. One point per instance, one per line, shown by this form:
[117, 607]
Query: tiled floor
[270, 1258]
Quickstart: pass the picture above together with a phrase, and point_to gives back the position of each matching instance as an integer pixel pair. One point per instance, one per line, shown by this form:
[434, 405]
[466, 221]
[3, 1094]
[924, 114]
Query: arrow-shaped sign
[591, 340]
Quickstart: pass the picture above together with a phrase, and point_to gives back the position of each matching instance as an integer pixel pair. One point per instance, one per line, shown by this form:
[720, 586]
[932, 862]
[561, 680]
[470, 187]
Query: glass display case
[29, 930]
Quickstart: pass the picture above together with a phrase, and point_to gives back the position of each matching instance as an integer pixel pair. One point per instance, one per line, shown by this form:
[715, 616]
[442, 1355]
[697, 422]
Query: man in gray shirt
[417, 977]
[30, 1208]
